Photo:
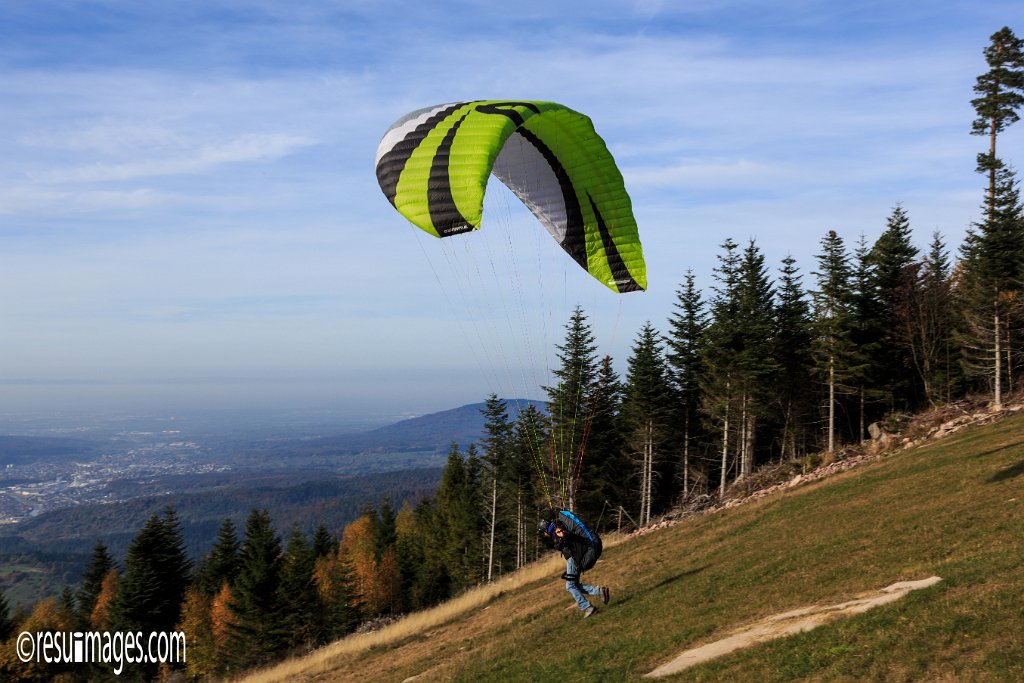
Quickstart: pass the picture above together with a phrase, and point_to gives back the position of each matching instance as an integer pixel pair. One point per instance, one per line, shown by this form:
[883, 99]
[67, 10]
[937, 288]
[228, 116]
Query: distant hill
[427, 434]
[463, 425]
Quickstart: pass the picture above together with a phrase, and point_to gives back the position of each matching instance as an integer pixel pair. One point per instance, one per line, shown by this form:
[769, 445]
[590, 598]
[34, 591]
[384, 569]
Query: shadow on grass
[665, 582]
[998, 449]
[1007, 473]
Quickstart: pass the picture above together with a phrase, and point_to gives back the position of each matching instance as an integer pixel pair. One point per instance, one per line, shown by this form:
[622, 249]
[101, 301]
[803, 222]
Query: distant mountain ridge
[462, 425]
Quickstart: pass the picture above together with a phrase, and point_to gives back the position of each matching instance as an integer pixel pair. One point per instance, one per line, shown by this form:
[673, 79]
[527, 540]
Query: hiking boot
[589, 612]
[606, 594]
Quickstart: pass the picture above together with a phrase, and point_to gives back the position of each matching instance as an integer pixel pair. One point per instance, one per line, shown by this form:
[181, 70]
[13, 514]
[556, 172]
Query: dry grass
[328, 657]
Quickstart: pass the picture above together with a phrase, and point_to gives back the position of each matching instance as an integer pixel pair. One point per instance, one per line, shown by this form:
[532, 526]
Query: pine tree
[102, 614]
[323, 541]
[299, 599]
[603, 480]
[686, 339]
[992, 257]
[893, 285]
[990, 286]
[721, 348]
[793, 355]
[221, 565]
[932, 335]
[197, 626]
[570, 404]
[648, 414]
[1000, 94]
[92, 582]
[156, 575]
[833, 317]
[255, 634]
[755, 367]
[873, 362]
[497, 444]
[336, 584]
[530, 441]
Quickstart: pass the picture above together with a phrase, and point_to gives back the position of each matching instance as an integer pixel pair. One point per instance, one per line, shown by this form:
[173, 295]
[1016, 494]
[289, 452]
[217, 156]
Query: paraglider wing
[433, 165]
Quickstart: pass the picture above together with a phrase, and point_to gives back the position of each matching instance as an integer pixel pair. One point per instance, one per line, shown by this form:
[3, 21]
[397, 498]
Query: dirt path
[788, 623]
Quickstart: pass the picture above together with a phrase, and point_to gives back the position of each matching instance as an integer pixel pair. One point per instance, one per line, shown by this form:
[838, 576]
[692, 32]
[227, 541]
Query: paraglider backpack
[575, 525]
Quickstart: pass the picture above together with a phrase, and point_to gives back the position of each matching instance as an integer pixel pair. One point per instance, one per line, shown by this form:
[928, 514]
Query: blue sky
[189, 216]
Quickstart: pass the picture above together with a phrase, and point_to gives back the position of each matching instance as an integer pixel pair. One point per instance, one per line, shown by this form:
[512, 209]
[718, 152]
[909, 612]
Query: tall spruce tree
[686, 339]
[1000, 93]
[603, 480]
[221, 565]
[893, 284]
[870, 370]
[991, 257]
[720, 352]
[990, 287]
[256, 635]
[301, 607]
[570, 404]
[792, 352]
[756, 366]
[648, 414]
[530, 443]
[497, 445]
[932, 335]
[100, 562]
[459, 507]
[155, 578]
[834, 349]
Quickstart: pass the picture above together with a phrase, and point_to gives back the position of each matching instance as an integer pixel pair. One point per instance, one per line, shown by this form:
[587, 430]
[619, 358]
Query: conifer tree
[92, 582]
[720, 351]
[255, 635]
[603, 480]
[648, 414]
[335, 581]
[1000, 93]
[201, 661]
[458, 502]
[530, 440]
[793, 355]
[497, 444]
[156, 576]
[932, 334]
[323, 541]
[755, 367]
[992, 256]
[990, 286]
[221, 565]
[102, 614]
[686, 339]
[873, 363]
[570, 403]
[299, 598]
[833, 346]
[889, 311]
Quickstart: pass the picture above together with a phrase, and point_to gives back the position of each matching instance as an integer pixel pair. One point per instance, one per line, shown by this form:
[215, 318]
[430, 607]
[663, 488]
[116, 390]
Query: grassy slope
[954, 508]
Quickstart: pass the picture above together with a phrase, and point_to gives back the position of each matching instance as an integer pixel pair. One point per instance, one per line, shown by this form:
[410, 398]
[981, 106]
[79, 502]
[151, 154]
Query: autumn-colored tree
[335, 584]
[198, 629]
[99, 619]
[221, 620]
[46, 616]
[358, 545]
